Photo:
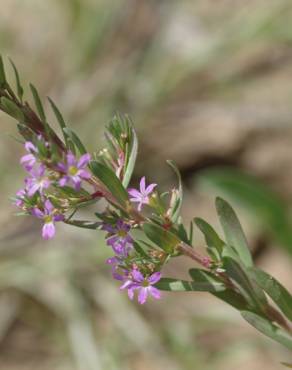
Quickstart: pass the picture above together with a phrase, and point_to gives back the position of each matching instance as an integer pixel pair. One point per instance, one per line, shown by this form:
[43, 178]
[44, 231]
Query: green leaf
[176, 207]
[214, 243]
[182, 233]
[264, 206]
[233, 231]
[275, 290]
[175, 285]
[132, 156]
[267, 328]
[83, 224]
[161, 237]
[75, 139]
[110, 180]
[38, 103]
[17, 79]
[2, 73]
[140, 250]
[249, 289]
[228, 296]
[12, 109]
[68, 142]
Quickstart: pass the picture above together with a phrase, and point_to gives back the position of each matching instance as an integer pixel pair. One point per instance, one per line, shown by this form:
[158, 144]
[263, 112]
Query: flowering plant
[143, 227]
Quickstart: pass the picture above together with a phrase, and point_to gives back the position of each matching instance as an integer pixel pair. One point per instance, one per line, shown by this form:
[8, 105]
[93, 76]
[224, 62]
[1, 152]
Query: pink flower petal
[142, 184]
[48, 231]
[134, 193]
[30, 147]
[28, 158]
[64, 181]
[131, 294]
[71, 160]
[137, 276]
[154, 292]
[84, 174]
[84, 160]
[142, 296]
[154, 278]
[150, 188]
[33, 189]
[48, 206]
[37, 213]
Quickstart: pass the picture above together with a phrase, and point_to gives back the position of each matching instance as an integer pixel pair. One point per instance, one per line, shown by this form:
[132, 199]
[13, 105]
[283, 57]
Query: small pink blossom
[74, 170]
[144, 285]
[142, 196]
[49, 216]
[38, 181]
[29, 160]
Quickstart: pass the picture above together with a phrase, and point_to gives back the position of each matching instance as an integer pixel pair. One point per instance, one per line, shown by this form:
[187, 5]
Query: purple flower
[48, 215]
[119, 238]
[29, 160]
[142, 196]
[74, 170]
[137, 281]
[20, 197]
[38, 181]
[116, 271]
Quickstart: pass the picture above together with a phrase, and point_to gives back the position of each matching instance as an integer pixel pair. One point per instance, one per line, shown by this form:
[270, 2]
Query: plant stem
[191, 253]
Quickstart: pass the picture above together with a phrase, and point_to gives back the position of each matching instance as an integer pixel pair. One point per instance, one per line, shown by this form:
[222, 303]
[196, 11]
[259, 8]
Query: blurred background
[208, 84]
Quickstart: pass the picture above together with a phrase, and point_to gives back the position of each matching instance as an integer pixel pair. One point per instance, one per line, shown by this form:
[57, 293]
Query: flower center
[122, 233]
[73, 170]
[145, 283]
[48, 219]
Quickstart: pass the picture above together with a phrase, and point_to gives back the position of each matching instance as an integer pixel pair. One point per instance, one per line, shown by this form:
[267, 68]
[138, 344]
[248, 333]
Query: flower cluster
[125, 264]
[44, 179]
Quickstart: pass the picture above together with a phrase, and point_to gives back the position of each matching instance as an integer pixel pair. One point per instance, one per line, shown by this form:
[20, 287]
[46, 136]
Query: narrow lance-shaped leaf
[175, 285]
[263, 205]
[267, 328]
[275, 290]
[12, 109]
[75, 139]
[214, 243]
[133, 150]
[179, 195]
[38, 103]
[228, 295]
[18, 83]
[251, 291]
[68, 142]
[233, 231]
[110, 180]
[161, 237]
[2, 73]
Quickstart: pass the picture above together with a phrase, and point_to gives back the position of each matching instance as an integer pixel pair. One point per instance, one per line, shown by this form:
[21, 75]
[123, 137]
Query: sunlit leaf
[12, 109]
[131, 160]
[275, 290]
[250, 290]
[17, 79]
[233, 231]
[267, 328]
[175, 285]
[110, 180]
[264, 206]
[214, 243]
[229, 296]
